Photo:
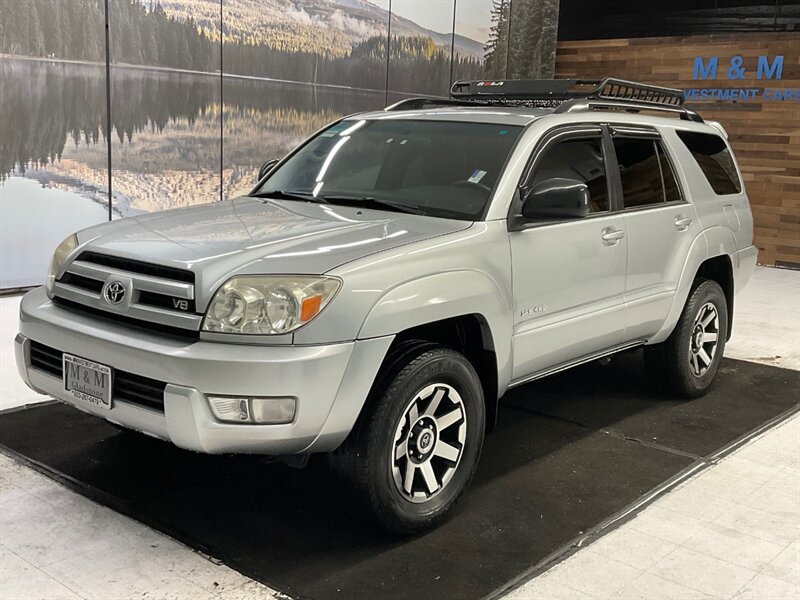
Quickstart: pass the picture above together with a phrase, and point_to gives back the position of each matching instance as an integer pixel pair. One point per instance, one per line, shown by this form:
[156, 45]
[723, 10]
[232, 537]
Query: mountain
[330, 27]
[406, 27]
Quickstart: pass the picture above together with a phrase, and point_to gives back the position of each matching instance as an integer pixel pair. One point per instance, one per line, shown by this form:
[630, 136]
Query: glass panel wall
[53, 167]
[421, 46]
[485, 22]
[289, 73]
[165, 104]
[202, 92]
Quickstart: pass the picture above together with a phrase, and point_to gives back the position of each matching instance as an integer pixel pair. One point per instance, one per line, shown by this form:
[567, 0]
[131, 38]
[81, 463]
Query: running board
[575, 363]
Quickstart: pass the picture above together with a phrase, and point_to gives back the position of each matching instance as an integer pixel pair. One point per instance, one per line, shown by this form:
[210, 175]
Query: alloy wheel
[704, 339]
[429, 442]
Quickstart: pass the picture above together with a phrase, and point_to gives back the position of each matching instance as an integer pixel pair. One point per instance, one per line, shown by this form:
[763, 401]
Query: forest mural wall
[201, 92]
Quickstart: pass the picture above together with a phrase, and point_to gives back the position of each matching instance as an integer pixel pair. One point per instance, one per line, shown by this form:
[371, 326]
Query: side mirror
[557, 198]
[266, 168]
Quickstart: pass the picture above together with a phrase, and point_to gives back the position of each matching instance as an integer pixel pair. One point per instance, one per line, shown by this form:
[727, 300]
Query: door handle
[682, 223]
[611, 237]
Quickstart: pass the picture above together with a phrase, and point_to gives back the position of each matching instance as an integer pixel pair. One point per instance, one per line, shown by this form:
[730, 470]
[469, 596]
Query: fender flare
[443, 296]
[712, 242]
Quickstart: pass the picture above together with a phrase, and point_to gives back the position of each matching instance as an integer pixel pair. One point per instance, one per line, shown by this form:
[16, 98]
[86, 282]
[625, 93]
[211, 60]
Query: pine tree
[497, 46]
[532, 41]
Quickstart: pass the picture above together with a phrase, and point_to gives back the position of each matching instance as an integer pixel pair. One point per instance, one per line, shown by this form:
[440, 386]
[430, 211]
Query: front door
[569, 275]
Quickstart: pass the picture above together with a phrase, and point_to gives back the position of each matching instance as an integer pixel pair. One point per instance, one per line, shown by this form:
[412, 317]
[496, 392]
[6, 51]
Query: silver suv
[391, 278]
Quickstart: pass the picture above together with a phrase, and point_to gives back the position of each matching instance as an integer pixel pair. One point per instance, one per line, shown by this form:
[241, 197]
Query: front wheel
[688, 361]
[415, 449]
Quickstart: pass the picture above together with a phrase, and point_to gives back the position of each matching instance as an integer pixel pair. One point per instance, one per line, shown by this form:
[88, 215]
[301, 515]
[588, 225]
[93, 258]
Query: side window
[714, 159]
[672, 192]
[640, 172]
[580, 159]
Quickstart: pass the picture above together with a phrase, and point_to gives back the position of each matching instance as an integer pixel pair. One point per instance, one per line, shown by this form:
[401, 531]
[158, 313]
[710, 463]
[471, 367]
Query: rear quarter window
[714, 159]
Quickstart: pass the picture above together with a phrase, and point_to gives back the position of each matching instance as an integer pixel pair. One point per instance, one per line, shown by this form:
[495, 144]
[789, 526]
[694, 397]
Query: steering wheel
[467, 182]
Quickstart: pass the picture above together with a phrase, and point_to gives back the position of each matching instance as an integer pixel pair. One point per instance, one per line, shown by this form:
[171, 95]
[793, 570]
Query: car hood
[260, 236]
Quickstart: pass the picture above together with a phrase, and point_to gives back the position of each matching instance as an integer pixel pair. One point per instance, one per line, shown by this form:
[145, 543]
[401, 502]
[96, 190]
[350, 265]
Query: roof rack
[565, 95]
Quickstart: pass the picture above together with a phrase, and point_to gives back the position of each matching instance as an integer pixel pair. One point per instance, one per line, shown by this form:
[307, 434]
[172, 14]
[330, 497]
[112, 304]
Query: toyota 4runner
[391, 278]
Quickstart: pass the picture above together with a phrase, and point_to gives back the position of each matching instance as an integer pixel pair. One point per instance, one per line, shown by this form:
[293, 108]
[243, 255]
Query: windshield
[436, 168]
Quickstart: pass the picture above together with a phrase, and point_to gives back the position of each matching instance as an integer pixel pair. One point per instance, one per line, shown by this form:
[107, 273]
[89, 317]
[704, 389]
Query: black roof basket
[565, 95]
[568, 89]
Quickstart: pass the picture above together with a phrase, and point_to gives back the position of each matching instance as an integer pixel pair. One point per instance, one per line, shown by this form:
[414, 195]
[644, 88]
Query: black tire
[367, 458]
[674, 363]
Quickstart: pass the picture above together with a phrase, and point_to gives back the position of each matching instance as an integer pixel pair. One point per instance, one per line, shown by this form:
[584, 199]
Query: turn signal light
[310, 308]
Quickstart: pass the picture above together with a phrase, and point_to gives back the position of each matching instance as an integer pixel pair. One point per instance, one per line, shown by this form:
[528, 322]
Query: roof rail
[420, 103]
[573, 95]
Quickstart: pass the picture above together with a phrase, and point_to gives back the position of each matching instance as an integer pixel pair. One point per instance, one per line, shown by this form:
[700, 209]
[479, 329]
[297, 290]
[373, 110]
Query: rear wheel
[688, 361]
[415, 449]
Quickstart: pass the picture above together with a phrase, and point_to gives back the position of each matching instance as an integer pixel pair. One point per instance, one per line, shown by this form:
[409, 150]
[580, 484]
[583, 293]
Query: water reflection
[163, 123]
[31, 229]
[45, 106]
[165, 140]
[264, 120]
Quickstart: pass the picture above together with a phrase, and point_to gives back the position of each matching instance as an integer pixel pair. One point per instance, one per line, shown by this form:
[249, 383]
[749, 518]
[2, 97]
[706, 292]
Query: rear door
[661, 226]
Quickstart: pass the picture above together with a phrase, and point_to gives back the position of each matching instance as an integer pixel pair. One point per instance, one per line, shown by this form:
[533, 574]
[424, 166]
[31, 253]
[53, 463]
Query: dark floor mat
[567, 453]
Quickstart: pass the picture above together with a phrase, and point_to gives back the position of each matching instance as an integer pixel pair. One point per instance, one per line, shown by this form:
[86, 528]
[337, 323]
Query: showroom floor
[731, 531]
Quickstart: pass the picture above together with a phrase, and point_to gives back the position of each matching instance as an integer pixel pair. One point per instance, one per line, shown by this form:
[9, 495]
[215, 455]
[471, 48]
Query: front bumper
[330, 381]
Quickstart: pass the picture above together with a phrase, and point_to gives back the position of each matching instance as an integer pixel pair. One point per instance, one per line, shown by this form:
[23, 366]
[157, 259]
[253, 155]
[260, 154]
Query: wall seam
[108, 111]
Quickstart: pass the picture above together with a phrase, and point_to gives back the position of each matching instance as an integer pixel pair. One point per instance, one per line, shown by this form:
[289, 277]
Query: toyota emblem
[114, 292]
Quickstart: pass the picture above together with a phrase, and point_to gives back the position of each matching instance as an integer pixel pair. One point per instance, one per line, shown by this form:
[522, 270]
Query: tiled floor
[732, 531]
[766, 324]
[57, 544]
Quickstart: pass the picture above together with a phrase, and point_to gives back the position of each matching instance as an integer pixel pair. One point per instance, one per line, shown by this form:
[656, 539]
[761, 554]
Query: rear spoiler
[718, 126]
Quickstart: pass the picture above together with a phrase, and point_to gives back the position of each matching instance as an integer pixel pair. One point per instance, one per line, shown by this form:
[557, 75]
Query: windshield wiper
[368, 202]
[291, 195]
[365, 201]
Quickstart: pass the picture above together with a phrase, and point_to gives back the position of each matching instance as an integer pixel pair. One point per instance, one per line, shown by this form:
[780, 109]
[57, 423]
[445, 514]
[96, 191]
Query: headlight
[268, 305]
[59, 258]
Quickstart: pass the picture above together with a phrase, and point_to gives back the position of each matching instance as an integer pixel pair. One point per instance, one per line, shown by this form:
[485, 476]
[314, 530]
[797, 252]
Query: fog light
[253, 410]
[272, 410]
[230, 410]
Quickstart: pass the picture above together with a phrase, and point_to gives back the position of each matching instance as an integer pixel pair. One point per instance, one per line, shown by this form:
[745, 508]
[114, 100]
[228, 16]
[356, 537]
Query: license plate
[87, 381]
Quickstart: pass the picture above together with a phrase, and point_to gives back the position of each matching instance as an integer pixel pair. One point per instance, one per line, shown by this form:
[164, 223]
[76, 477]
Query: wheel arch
[465, 299]
[720, 269]
[709, 256]
[471, 336]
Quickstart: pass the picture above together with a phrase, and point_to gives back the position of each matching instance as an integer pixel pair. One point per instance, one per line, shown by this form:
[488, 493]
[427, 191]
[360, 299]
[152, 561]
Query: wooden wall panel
[764, 134]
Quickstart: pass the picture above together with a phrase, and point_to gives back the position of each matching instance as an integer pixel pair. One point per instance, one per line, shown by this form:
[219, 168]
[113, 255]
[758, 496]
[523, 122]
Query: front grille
[149, 294]
[166, 302]
[137, 266]
[136, 389]
[127, 387]
[85, 283]
[47, 359]
[166, 330]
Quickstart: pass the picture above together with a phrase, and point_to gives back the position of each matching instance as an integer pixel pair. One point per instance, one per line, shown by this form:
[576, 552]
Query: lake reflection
[33, 221]
[165, 144]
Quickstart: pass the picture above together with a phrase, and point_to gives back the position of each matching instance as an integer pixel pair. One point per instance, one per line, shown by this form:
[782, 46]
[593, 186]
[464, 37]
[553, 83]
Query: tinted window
[639, 171]
[580, 159]
[445, 169]
[714, 159]
[671, 190]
